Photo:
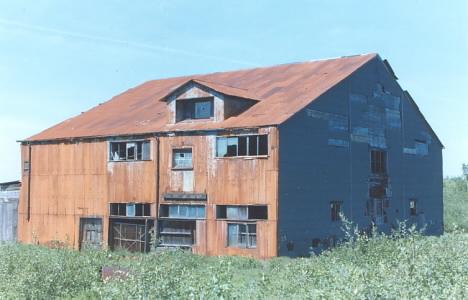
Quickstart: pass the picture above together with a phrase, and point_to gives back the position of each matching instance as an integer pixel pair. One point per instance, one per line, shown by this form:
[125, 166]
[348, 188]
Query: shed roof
[281, 91]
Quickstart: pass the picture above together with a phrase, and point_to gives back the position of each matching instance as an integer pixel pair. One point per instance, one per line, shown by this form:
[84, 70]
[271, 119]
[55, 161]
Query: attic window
[191, 109]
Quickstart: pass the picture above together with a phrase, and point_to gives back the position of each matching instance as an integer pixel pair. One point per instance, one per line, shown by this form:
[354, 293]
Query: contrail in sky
[103, 39]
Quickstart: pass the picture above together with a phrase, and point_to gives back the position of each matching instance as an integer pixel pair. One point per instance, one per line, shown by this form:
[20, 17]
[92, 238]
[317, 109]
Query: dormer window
[194, 109]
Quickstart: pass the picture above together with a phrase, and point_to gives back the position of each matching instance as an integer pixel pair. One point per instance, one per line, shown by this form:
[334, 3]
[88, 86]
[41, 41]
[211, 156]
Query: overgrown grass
[404, 265]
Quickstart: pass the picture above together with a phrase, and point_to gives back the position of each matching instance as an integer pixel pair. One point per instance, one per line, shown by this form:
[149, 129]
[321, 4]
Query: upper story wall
[239, 180]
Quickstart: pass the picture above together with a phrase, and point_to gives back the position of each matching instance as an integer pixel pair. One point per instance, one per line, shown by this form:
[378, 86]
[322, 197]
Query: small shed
[9, 195]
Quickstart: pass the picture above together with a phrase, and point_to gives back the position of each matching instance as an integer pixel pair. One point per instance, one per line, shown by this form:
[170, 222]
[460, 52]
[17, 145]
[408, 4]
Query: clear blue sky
[59, 58]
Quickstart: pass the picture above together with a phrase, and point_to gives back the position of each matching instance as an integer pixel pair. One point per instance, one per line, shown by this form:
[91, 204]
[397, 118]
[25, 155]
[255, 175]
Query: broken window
[181, 211]
[238, 212]
[378, 162]
[130, 209]
[129, 234]
[246, 145]
[182, 158]
[242, 235]
[123, 151]
[335, 207]
[413, 207]
[194, 109]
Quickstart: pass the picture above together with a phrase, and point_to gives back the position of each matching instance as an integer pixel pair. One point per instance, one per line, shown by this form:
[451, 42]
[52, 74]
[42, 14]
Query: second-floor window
[194, 109]
[182, 158]
[378, 162]
[129, 151]
[244, 145]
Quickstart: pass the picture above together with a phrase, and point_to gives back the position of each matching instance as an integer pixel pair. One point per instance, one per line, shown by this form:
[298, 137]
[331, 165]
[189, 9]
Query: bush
[455, 204]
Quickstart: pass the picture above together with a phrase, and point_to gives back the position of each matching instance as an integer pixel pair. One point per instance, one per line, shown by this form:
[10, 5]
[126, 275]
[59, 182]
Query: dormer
[201, 101]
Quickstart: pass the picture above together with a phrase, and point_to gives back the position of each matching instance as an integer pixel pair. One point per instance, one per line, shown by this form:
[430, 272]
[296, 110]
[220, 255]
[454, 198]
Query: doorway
[90, 233]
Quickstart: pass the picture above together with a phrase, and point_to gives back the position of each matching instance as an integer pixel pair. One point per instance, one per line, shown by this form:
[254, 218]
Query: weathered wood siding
[234, 181]
[74, 180]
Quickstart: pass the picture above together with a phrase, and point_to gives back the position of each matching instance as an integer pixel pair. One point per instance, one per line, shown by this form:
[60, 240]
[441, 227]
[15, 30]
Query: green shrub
[404, 265]
[455, 204]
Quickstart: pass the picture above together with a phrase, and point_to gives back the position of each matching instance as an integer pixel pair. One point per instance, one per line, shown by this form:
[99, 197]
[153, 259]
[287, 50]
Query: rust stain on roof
[280, 90]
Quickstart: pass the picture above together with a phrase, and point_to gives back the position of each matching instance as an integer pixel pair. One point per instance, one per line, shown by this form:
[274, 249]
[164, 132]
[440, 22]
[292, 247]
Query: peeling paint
[358, 98]
[338, 143]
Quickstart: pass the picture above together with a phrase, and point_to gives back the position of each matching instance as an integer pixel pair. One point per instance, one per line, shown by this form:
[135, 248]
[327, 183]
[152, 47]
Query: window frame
[413, 211]
[248, 212]
[122, 209]
[247, 233]
[379, 167]
[248, 138]
[181, 168]
[336, 208]
[180, 112]
[179, 217]
[142, 143]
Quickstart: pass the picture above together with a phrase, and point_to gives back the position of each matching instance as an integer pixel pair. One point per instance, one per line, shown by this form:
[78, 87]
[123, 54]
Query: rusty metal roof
[282, 90]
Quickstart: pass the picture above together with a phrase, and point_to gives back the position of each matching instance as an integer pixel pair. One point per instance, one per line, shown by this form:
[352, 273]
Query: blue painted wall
[325, 156]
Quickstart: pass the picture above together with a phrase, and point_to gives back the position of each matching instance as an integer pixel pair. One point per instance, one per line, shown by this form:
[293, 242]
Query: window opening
[242, 235]
[247, 145]
[182, 158]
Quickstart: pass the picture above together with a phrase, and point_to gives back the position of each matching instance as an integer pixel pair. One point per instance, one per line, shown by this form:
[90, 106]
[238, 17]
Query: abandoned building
[9, 196]
[257, 162]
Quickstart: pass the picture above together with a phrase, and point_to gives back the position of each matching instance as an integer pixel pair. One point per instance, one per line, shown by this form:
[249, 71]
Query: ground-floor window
[242, 235]
[177, 233]
[129, 234]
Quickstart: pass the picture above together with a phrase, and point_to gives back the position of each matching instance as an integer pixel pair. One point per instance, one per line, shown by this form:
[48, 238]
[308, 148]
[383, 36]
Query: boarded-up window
[242, 235]
[177, 233]
[125, 151]
[182, 158]
[247, 145]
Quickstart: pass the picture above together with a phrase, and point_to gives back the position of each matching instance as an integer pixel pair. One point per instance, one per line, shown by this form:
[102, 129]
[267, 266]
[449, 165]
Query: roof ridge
[218, 83]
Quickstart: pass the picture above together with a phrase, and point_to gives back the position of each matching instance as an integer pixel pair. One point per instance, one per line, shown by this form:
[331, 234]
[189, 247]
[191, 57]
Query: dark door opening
[90, 233]
[130, 234]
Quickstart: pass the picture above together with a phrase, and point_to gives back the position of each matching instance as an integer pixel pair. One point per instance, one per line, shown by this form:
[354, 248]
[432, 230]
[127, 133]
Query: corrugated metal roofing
[281, 90]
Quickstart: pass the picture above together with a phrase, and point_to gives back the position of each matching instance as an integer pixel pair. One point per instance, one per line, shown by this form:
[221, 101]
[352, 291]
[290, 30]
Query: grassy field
[405, 265]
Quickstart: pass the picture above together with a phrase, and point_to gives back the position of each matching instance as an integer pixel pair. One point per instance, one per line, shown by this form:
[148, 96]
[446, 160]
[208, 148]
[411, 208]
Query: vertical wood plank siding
[73, 180]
